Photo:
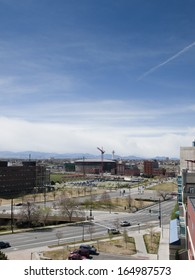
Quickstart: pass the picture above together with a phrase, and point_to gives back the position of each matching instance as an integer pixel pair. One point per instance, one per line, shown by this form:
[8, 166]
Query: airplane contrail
[166, 61]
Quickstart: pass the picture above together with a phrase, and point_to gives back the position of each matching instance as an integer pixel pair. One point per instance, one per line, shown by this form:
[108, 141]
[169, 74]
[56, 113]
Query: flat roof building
[17, 181]
[94, 166]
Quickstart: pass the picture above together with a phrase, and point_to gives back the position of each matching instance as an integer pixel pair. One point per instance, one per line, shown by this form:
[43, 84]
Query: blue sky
[81, 74]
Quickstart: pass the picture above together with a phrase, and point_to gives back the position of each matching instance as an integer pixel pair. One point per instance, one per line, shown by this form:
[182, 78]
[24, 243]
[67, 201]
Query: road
[102, 220]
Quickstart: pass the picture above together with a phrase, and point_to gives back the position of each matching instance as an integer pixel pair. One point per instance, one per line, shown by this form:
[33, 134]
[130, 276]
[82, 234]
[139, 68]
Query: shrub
[3, 256]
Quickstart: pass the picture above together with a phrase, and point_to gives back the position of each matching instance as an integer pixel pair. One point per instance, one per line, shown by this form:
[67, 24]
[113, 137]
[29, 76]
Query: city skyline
[78, 75]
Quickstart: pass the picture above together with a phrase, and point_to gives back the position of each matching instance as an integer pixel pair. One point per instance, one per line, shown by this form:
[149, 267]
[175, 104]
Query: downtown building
[184, 231]
[17, 181]
[151, 169]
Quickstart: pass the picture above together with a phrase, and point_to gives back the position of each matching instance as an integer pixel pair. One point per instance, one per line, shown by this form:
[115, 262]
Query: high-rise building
[186, 192]
[150, 167]
[17, 181]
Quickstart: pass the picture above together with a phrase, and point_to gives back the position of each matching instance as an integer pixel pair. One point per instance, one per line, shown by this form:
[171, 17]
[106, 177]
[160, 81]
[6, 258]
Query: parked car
[125, 224]
[21, 204]
[92, 250]
[4, 244]
[113, 231]
[18, 204]
[82, 252]
[75, 256]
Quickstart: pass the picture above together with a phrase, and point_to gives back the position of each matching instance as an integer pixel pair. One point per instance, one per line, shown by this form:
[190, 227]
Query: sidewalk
[163, 252]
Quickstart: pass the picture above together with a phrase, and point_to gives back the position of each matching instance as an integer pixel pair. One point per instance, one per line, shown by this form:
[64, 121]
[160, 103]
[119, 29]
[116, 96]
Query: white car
[113, 231]
[125, 224]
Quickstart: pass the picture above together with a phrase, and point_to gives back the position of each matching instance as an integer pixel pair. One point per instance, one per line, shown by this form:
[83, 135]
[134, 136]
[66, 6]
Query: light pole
[90, 213]
[159, 213]
[138, 227]
[129, 188]
[83, 234]
[12, 215]
[90, 210]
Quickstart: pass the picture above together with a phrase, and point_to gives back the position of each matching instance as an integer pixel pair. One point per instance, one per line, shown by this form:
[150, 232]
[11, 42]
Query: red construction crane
[102, 158]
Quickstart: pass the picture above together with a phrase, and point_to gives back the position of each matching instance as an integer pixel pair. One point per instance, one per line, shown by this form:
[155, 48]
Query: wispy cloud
[105, 112]
[153, 69]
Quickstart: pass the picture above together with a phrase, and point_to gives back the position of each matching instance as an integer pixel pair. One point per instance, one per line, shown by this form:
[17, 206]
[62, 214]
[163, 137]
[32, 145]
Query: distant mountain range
[42, 155]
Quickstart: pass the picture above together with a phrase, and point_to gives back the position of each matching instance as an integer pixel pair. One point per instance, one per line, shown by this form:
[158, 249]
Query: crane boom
[101, 150]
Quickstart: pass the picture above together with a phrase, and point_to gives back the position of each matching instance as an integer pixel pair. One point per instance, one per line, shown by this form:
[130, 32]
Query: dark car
[75, 256]
[92, 250]
[125, 224]
[82, 252]
[19, 204]
[4, 244]
[113, 231]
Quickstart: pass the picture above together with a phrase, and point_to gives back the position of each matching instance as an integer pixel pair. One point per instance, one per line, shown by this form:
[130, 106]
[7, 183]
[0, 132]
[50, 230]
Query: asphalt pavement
[163, 252]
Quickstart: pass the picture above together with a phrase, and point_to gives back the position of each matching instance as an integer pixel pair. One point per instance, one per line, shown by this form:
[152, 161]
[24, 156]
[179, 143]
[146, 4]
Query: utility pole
[12, 215]
[159, 213]
[83, 233]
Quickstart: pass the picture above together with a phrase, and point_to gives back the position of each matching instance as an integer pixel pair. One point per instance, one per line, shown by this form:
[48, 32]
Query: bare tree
[44, 213]
[69, 207]
[29, 214]
[106, 200]
[125, 237]
[129, 201]
[151, 232]
[59, 235]
[164, 194]
[54, 192]
[91, 230]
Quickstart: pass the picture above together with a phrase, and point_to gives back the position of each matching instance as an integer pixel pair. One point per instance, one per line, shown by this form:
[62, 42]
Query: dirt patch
[118, 246]
[114, 246]
[152, 242]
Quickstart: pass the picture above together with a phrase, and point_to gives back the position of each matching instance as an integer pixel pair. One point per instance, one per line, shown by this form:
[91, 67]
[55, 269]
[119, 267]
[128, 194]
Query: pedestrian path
[141, 248]
[163, 251]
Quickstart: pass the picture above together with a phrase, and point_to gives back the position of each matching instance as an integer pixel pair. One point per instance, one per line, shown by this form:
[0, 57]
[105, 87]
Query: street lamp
[90, 213]
[90, 210]
[83, 234]
[12, 215]
[138, 227]
[159, 213]
[129, 188]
